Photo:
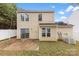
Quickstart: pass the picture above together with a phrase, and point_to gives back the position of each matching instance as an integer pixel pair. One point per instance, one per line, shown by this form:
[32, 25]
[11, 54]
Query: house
[74, 19]
[40, 25]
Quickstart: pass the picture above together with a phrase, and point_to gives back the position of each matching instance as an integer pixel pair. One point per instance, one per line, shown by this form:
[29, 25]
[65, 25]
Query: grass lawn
[48, 49]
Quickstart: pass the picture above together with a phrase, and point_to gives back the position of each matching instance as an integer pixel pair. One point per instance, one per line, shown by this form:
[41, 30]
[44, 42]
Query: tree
[8, 15]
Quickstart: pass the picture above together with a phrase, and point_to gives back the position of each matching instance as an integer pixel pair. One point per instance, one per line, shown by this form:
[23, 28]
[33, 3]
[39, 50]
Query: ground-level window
[43, 32]
[25, 33]
[46, 32]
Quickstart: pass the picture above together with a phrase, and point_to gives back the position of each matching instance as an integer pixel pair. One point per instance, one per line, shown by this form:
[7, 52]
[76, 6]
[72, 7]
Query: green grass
[57, 48]
[48, 49]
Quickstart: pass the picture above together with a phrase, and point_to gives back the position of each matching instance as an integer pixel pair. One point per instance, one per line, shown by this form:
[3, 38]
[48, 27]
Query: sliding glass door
[24, 33]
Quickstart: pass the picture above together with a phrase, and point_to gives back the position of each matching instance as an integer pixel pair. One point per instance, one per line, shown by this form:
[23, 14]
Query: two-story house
[40, 25]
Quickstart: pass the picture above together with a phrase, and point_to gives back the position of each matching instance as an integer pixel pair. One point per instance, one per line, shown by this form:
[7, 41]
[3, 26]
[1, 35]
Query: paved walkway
[14, 44]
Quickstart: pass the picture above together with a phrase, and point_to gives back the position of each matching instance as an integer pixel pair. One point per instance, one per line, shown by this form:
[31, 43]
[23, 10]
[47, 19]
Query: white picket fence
[4, 34]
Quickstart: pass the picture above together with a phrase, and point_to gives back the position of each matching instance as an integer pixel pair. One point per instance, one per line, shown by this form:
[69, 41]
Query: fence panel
[4, 34]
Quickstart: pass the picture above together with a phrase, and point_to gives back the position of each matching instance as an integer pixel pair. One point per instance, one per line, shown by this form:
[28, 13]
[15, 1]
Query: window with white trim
[43, 32]
[40, 17]
[46, 32]
[24, 17]
[24, 32]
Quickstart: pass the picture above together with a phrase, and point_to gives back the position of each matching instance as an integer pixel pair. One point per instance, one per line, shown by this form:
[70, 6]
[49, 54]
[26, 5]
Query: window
[43, 32]
[24, 33]
[46, 32]
[27, 17]
[22, 17]
[40, 17]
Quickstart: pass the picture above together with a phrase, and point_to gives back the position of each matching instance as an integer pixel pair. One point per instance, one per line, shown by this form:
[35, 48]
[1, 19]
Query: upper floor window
[40, 17]
[24, 17]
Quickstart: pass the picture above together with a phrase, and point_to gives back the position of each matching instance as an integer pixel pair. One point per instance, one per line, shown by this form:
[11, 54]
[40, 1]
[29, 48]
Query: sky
[62, 10]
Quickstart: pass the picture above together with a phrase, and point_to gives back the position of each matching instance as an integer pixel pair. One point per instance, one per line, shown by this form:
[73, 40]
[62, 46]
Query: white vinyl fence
[69, 39]
[4, 34]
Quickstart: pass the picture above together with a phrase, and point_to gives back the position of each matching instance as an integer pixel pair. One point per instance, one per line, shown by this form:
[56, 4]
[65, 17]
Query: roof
[57, 25]
[19, 10]
[62, 23]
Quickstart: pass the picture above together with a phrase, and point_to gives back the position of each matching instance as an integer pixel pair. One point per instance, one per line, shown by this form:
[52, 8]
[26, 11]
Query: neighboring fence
[69, 39]
[76, 35]
[4, 34]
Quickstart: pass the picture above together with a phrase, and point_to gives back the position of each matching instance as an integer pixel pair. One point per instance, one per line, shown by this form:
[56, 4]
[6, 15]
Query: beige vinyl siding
[35, 31]
[53, 35]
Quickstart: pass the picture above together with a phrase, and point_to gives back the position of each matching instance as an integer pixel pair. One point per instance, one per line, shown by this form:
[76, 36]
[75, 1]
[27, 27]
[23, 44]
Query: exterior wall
[33, 23]
[47, 18]
[35, 29]
[74, 19]
[53, 35]
[64, 31]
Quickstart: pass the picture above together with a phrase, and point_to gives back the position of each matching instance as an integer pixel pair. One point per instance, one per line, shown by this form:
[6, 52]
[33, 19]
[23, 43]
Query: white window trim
[25, 16]
[46, 31]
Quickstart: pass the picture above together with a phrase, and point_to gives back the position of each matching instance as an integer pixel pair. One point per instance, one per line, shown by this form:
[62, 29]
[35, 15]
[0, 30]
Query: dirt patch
[17, 44]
